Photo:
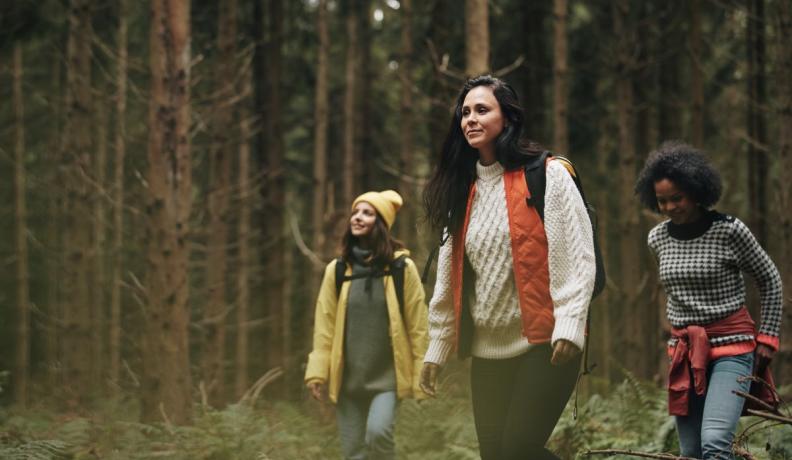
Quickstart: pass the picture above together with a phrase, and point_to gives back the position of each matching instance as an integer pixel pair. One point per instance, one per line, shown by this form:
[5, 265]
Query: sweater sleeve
[441, 310]
[754, 260]
[570, 245]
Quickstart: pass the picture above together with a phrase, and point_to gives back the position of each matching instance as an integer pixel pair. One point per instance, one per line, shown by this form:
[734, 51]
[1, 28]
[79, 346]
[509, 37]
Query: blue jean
[365, 425]
[708, 429]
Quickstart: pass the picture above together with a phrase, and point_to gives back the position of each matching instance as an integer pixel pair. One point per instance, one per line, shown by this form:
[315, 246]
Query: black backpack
[536, 179]
[395, 269]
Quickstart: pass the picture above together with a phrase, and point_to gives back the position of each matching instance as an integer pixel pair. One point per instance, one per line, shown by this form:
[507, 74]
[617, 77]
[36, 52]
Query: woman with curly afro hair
[714, 341]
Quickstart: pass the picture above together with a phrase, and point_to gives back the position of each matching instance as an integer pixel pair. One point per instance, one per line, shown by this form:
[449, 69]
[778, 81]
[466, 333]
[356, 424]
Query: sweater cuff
[768, 340]
[571, 329]
[438, 352]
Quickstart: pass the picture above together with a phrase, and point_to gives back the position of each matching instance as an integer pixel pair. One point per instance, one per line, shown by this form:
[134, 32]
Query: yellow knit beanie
[386, 203]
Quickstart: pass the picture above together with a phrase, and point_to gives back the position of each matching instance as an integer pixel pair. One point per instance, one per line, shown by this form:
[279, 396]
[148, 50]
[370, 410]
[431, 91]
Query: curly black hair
[686, 167]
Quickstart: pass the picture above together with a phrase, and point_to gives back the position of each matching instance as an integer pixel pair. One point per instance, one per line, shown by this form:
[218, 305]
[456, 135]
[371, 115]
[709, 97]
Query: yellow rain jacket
[408, 334]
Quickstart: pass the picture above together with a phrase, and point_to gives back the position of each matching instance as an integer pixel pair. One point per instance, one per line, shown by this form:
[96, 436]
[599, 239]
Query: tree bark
[22, 342]
[215, 312]
[166, 379]
[534, 73]
[784, 82]
[696, 77]
[560, 130]
[78, 333]
[118, 195]
[242, 379]
[757, 128]
[350, 103]
[407, 127]
[99, 229]
[319, 204]
[477, 38]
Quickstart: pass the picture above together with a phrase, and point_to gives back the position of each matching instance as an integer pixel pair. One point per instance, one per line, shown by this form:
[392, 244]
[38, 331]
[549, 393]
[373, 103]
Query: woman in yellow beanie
[369, 330]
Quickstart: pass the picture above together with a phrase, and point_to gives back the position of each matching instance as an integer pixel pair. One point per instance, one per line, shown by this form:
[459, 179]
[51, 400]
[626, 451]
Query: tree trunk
[535, 76]
[319, 204]
[560, 131]
[628, 222]
[440, 87]
[696, 77]
[784, 81]
[242, 378]
[118, 196]
[477, 38]
[167, 386]
[757, 130]
[407, 163]
[350, 103]
[216, 309]
[78, 333]
[99, 325]
[273, 127]
[22, 342]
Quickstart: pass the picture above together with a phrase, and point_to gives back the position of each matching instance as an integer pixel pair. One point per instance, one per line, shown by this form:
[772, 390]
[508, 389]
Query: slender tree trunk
[757, 129]
[55, 261]
[560, 131]
[535, 78]
[350, 103]
[22, 342]
[696, 77]
[407, 162]
[629, 249]
[668, 106]
[477, 37]
[784, 82]
[118, 196]
[440, 87]
[99, 228]
[166, 381]
[244, 253]
[276, 185]
[320, 145]
[78, 333]
[216, 309]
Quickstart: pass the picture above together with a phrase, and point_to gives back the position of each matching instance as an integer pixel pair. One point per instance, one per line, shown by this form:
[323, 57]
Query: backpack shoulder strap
[340, 271]
[536, 179]
[397, 272]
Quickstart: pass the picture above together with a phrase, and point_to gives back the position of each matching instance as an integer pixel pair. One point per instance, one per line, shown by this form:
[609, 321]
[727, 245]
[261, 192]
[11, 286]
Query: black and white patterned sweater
[701, 267]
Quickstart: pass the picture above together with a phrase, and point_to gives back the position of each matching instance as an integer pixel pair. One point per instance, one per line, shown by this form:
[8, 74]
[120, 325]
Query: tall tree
[216, 309]
[321, 93]
[757, 126]
[98, 244]
[784, 82]
[22, 342]
[560, 131]
[696, 76]
[350, 102]
[166, 379]
[118, 193]
[77, 156]
[477, 37]
[246, 191]
[406, 117]
[534, 74]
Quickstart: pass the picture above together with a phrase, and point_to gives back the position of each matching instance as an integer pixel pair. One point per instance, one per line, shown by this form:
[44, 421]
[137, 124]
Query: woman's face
[482, 119]
[675, 203]
[363, 218]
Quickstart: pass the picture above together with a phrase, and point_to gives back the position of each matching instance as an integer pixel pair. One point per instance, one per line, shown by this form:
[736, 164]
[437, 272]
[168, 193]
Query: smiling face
[482, 119]
[361, 223]
[675, 203]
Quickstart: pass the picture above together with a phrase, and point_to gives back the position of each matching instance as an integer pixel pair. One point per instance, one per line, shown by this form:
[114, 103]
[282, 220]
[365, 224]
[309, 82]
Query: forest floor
[631, 415]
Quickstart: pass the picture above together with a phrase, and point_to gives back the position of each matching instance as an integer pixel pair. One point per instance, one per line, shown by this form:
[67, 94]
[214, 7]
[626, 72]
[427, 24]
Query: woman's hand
[428, 381]
[563, 351]
[318, 390]
[762, 357]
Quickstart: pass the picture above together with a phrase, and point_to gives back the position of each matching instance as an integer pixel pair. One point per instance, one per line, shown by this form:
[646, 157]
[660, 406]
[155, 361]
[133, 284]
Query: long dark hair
[382, 244]
[445, 196]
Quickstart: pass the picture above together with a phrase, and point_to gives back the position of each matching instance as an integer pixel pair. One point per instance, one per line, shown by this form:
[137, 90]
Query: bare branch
[301, 243]
[634, 454]
[769, 416]
[511, 67]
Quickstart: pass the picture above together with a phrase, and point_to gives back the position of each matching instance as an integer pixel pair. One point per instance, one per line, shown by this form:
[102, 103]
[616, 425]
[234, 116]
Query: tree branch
[634, 454]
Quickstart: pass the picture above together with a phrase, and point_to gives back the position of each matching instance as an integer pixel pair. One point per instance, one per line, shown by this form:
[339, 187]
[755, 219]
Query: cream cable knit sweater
[496, 312]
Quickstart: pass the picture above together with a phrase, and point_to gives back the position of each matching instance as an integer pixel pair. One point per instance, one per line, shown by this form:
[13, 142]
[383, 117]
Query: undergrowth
[632, 415]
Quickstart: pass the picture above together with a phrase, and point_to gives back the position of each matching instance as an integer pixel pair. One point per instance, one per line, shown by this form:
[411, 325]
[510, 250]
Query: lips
[473, 131]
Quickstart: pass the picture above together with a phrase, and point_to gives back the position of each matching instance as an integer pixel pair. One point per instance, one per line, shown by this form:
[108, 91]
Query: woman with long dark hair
[369, 335]
[701, 255]
[512, 288]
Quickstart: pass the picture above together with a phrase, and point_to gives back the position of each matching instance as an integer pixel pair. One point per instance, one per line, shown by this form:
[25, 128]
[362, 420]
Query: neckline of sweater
[489, 173]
